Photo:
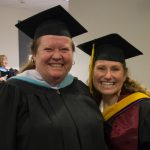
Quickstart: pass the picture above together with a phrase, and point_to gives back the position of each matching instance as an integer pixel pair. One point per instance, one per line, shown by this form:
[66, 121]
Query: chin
[108, 92]
[57, 75]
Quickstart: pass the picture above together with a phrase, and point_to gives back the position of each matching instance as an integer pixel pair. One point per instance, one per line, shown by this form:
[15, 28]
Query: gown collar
[34, 77]
[3, 69]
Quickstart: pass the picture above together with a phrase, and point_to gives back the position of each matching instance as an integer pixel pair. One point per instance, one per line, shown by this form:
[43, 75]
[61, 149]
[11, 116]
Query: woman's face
[108, 77]
[5, 61]
[54, 58]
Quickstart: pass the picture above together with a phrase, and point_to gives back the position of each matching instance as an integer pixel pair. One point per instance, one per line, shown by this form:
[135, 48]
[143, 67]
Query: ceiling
[34, 4]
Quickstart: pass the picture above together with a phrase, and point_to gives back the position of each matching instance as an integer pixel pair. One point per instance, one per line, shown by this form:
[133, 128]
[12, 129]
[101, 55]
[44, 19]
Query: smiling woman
[44, 107]
[54, 58]
[124, 103]
[108, 77]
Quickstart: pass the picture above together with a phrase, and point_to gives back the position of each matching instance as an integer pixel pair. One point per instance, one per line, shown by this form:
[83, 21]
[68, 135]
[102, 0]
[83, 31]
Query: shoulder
[145, 107]
[7, 87]
[145, 103]
[80, 85]
[144, 124]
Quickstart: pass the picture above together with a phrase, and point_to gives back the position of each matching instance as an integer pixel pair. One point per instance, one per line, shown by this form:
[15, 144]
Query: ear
[33, 57]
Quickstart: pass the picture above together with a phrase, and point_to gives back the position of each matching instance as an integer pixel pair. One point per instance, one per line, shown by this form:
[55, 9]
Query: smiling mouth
[56, 65]
[107, 84]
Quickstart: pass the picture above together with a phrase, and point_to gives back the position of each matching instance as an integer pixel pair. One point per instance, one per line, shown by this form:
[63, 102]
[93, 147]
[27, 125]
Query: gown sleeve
[144, 125]
[8, 110]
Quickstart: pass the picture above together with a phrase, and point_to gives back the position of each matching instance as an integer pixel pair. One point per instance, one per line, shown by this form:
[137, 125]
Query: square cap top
[54, 21]
[111, 47]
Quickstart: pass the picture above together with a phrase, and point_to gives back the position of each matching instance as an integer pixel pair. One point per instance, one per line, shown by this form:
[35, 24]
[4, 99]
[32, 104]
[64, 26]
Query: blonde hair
[129, 86]
[1, 60]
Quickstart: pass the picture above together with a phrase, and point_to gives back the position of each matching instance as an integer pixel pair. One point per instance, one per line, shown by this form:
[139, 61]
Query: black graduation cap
[54, 21]
[110, 47]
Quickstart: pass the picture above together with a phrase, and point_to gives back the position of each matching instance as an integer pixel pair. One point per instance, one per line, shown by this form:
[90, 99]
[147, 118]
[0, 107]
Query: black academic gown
[144, 125]
[33, 117]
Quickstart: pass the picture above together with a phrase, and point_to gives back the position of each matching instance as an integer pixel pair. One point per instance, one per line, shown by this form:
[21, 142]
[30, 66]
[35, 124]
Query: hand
[3, 78]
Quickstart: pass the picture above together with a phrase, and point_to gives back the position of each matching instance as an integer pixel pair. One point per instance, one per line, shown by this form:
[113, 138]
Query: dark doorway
[24, 47]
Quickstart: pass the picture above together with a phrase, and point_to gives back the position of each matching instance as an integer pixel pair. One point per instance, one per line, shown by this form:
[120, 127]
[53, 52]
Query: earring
[73, 62]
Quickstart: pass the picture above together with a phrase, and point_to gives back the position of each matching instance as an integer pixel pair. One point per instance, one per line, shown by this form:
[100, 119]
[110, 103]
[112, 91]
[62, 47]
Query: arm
[144, 125]
[7, 117]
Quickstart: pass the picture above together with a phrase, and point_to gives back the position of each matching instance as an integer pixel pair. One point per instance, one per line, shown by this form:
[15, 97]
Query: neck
[108, 101]
[54, 82]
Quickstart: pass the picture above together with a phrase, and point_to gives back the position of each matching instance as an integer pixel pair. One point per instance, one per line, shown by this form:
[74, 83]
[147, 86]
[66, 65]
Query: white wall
[80, 68]
[130, 18]
[9, 33]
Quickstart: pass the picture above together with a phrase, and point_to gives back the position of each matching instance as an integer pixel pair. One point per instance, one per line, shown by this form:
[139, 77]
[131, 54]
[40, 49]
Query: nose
[56, 55]
[108, 74]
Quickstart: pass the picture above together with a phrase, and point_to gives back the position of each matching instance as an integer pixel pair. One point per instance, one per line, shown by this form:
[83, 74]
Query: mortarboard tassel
[91, 69]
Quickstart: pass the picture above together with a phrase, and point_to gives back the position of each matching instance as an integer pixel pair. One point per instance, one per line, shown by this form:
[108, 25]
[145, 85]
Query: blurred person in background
[6, 71]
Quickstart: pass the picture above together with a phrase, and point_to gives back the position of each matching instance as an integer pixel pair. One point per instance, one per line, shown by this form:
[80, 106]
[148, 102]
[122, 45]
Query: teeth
[107, 84]
[56, 65]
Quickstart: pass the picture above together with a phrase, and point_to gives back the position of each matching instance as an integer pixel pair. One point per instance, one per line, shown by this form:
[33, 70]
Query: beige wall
[9, 33]
[130, 18]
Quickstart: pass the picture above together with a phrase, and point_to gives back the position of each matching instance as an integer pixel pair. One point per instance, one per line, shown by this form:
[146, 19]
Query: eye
[48, 49]
[115, 69]
[101, 68]
[64, 49]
